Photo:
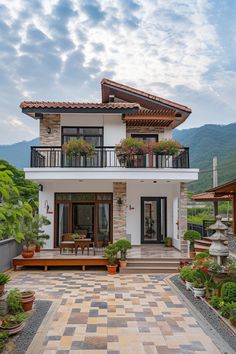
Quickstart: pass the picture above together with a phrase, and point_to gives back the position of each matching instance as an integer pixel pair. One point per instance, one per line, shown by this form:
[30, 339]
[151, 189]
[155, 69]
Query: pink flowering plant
[130, 146]
[166, 147]
[79, 147]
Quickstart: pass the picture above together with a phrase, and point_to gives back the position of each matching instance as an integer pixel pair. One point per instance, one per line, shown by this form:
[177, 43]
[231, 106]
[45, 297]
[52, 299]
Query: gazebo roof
[210, 197]
[226, 188]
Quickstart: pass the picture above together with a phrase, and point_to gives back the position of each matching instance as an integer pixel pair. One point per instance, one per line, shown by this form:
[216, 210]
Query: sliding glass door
[153, 219]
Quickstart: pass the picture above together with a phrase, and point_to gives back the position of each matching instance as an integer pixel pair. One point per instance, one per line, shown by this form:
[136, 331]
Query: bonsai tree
[192, 236]
[111, 253]
[123, 246]
[33, 232]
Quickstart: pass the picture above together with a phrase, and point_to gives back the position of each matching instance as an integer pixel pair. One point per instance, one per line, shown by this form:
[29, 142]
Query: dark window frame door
[159, 239]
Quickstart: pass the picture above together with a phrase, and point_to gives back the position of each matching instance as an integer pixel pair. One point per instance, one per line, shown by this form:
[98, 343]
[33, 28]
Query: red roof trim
[46, 104]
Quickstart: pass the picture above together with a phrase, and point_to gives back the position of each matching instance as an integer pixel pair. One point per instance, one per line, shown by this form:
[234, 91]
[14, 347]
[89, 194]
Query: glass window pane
[69, 131]
[63, 196]
[83, 197]
[63, 221]
[83, 219]
[90, 131]
[105, 196]
[150, 220]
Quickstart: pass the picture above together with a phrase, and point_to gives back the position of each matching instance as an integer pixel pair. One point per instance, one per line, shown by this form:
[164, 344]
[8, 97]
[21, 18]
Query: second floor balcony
[105, 157]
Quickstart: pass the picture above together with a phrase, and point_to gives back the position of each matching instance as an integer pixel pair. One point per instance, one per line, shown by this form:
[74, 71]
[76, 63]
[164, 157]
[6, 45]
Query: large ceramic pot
[27, 254]
[27, 300]
[188, 285]
[111, 268]
[199, 292]
[14, 329]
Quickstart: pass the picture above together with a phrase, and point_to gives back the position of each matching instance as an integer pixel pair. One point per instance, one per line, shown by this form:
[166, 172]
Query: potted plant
[198, 288]
[14, 298]
[233, 317]
[192, 236]
[79, 147]
[111, 254]
[187, 273]
[32, 229]
[166, 147]
[123, 246]
[27, 300]
[168, 242]
[4, 279]
[128, 148]
[13, 324]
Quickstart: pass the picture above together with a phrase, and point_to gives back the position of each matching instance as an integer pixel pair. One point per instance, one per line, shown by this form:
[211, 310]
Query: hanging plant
[166, 147]
[130, 147]
[79, 147]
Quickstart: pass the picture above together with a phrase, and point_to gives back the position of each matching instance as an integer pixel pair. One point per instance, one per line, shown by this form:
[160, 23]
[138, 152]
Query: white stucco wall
[136, 190]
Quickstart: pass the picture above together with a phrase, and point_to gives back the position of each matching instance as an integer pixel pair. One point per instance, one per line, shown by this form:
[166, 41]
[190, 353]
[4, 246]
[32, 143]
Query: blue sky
[61, 49]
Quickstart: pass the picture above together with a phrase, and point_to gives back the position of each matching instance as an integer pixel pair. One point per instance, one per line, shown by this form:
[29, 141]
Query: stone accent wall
[119, 211]
[143, 130]
[54, 122]
[183, 216]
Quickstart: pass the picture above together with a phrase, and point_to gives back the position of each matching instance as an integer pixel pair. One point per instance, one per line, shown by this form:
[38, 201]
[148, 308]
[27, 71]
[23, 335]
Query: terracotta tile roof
[78, 105]
[131, 90]
[210, 197]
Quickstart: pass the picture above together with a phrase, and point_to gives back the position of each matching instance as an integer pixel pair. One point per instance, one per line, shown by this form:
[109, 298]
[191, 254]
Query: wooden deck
[53, 258]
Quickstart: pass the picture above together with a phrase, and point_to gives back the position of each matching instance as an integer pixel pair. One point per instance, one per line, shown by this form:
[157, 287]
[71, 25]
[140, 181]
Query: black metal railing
[105, 156]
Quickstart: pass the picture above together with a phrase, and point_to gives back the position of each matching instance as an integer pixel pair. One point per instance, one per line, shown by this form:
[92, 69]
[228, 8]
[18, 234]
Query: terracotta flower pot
[27, 254]
[111, 268]
[123, 264]
[192, 254]
[233, 323]
[27, 303]
[37, 249]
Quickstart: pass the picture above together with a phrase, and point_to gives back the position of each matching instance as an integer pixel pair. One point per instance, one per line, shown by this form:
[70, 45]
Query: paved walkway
[121, 314]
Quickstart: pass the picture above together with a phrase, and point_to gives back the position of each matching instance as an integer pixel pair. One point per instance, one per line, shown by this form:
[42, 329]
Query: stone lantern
[218, 249]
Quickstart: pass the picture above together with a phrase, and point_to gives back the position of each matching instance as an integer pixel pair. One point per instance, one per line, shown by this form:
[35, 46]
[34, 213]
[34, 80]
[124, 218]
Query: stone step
[158, 259]
[145, 264]
[142, 270]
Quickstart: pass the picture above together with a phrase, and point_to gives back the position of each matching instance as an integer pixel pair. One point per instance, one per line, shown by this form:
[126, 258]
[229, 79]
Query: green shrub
[216, 302]
[3, 340]
[111, 253]
[188, 273]
[14, 301]
[226, 309]
[192, 236]
[202, 255]
[228, 291]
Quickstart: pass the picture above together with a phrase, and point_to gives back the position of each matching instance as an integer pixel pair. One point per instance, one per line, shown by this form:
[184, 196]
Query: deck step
[141, 270]
[145, 264]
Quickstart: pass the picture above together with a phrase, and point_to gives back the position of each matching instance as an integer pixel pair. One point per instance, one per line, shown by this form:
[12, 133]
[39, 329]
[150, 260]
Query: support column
[183, 217]
[119, 210]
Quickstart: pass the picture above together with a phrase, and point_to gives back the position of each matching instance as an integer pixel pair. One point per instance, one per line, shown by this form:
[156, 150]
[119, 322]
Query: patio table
[83, 243]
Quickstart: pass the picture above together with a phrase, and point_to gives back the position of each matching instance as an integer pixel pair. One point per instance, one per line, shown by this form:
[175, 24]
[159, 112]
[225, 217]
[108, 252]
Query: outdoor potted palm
[166, 147]
[192, 236]
[128, 149]
[79, 147]
[111, 254]
[4, 279]
[123, 246]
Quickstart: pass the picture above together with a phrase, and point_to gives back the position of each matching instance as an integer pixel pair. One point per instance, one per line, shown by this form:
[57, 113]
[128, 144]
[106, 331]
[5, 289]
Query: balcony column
[119, 210]
[183, 217]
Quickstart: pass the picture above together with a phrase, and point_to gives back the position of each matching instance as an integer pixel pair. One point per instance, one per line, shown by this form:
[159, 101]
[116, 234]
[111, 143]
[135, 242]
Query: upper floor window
[147, 138]
[93, 135]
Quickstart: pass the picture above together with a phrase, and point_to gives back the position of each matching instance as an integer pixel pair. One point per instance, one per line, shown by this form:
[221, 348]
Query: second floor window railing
[105, 156]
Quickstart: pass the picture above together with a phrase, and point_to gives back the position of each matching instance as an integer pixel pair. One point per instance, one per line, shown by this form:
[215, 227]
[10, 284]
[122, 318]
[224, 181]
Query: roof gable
[146, 100]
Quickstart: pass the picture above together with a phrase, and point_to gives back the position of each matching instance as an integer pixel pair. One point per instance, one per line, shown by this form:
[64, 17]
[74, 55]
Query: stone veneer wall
[143, 130]
[183, 216]
[54, 122]
[119, 211]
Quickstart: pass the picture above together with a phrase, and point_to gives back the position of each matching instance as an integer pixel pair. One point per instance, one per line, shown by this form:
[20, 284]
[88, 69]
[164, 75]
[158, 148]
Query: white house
[145, 201]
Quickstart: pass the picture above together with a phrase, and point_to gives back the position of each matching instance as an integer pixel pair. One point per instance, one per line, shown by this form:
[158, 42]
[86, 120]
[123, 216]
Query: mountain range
[204, 142]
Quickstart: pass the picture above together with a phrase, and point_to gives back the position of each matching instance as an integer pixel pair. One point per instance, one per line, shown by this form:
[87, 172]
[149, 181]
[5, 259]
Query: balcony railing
[105, 156]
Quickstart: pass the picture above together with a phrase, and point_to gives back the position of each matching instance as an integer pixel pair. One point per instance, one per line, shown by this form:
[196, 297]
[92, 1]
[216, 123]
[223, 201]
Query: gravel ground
[32, 324]
[207, 313]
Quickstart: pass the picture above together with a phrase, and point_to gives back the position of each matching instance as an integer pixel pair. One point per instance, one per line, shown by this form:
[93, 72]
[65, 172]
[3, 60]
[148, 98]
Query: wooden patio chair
[67, 242]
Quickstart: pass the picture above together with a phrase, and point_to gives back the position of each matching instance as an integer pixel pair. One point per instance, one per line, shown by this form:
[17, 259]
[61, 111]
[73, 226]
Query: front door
[153, 219]
[83, 218]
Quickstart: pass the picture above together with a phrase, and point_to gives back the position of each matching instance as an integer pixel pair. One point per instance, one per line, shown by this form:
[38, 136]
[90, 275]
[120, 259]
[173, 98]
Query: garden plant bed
[211, 315]
[20, 343]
